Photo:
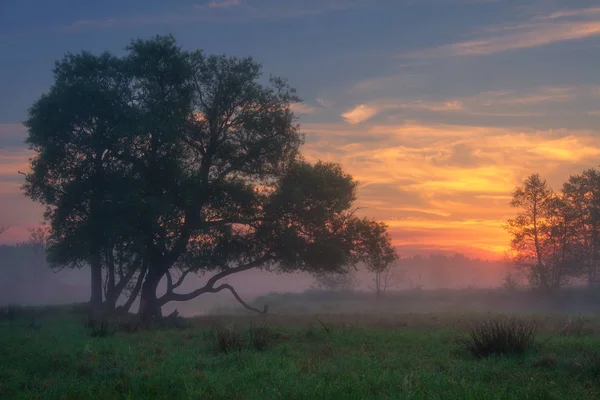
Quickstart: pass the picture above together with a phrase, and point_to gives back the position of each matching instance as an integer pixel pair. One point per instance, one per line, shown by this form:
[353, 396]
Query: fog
[416, 284]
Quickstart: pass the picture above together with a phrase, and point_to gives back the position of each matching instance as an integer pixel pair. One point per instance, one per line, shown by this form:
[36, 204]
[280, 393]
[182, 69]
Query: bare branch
[239, 299]
[210, 285]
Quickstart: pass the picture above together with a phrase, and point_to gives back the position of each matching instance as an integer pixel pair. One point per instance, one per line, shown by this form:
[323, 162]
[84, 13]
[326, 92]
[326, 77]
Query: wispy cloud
[571, 13]
[542, 30]
[508, 103]
[224, 3]
[360, 113]
[365, 112]
[303, 108]
[221, 11]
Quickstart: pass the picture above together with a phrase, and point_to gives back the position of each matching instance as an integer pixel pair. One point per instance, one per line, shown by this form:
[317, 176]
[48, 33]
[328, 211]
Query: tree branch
[239, 299]
[209, 287]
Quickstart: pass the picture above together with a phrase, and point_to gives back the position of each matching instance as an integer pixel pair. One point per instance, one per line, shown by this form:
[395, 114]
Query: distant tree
[542, 234]
[583, 193]
[183, 163]
[379, 256]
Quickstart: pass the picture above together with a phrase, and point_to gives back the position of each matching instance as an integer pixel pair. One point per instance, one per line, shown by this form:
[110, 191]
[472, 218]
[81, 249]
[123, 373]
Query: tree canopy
[167, 162]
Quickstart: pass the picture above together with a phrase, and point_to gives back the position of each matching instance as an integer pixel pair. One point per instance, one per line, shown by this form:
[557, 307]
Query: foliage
[499, 335]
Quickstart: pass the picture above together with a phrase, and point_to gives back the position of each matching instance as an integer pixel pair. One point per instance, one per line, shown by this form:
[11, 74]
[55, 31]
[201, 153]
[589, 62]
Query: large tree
[186, 163]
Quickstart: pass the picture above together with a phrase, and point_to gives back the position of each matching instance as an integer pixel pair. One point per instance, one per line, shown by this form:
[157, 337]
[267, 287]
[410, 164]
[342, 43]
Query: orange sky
[437, 186]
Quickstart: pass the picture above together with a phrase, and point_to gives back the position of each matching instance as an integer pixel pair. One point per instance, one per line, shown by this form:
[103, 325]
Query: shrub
[499, 335]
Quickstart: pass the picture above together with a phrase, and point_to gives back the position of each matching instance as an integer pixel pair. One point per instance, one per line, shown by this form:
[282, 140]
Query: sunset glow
[437, 122]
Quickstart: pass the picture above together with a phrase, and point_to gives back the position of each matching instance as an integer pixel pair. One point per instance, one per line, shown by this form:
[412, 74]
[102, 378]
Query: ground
[351, 356]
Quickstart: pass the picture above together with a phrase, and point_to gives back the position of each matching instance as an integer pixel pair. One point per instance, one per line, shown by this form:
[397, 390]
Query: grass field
[351, 356]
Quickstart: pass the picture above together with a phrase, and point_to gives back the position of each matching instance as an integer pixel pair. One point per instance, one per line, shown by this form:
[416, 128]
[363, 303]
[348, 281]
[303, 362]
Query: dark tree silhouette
[179, 163]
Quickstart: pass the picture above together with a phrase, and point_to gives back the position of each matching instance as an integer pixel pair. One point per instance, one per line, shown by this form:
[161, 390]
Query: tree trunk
[149, 305]
[96, 283]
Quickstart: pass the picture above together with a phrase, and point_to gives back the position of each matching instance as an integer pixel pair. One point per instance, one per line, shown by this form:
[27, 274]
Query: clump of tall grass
[499, 335]
[228, 339]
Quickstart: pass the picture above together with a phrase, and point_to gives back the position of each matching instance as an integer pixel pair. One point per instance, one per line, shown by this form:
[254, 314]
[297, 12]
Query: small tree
[379, 256]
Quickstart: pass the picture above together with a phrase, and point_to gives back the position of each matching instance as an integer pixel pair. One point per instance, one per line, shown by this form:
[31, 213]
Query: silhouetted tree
[583, 193]
[543, 240]
[184, 163]
[379, 256]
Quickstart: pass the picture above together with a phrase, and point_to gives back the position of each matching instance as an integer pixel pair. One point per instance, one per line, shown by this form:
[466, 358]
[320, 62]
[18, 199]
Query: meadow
[58, 353]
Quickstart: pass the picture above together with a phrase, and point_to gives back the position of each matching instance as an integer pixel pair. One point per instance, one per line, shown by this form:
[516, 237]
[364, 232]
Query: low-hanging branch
[209, 287]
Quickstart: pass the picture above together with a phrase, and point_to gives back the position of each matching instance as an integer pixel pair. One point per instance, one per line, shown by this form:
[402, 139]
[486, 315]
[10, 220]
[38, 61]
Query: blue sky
[438, 107]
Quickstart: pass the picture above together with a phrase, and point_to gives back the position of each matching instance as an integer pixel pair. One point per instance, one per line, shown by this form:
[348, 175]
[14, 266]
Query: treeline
[438, 271]
[556, 234]
[434, 271]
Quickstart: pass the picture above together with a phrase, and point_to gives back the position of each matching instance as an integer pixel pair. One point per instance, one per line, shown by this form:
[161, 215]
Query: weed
[546, 361]
[101, 327]
[590, 362]
[499, 335]
[227, 340]
[260, 337]
[573, 327]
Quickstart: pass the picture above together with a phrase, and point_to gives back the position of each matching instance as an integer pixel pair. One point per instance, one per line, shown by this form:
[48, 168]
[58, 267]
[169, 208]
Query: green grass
[378, 356]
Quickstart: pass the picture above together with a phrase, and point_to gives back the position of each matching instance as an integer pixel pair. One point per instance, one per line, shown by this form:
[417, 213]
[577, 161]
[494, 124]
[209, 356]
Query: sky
[439, 108]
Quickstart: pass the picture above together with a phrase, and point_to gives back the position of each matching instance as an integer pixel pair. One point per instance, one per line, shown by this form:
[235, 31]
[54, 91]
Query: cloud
[324, 102]
[571, 13]
[364, 112]
[507, 103]
[224, 3]
[220, 11]
[360, 114]
[540, 31]
[303, 108]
